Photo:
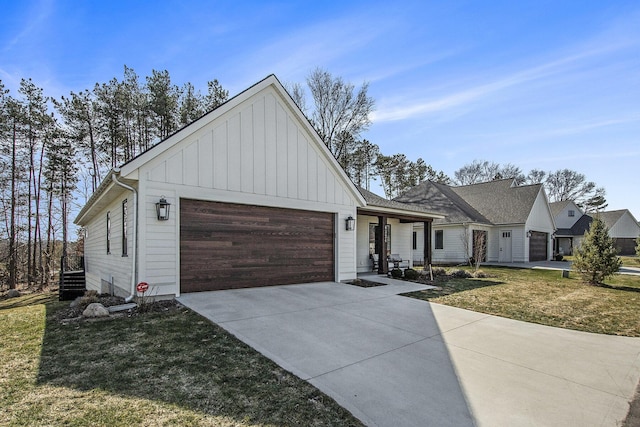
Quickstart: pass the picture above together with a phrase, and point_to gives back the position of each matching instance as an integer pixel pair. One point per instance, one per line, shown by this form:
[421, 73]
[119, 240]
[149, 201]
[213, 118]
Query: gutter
[134, 266]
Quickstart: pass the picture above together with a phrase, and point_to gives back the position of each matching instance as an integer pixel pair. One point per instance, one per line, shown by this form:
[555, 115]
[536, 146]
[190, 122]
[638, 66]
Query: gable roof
[442, 199]
[494, 202]
[128, 172]
[557, 207]
[611, 217]
[377, 203]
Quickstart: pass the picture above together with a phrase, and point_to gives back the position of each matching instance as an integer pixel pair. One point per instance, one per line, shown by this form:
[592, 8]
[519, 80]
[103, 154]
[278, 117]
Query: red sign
[142, 287]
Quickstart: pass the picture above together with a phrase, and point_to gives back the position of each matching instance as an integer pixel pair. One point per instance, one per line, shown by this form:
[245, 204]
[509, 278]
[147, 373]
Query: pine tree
[596, 259]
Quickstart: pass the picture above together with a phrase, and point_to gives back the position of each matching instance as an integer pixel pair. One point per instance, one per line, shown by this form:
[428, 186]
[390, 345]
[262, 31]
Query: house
[623, 229]
[500, 220]
[572, 223]
[247, 195]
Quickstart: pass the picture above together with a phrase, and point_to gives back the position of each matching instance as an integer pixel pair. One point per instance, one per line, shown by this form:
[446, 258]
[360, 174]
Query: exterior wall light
[528, 234]
[350, 223]
[162, 209]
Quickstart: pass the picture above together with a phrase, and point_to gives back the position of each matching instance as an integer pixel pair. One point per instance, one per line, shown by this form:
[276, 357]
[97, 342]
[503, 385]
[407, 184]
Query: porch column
[427, 243]
[381, 246]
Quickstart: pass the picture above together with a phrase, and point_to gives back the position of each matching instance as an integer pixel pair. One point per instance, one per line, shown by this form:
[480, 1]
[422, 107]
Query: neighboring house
[513, 223]
[255, 198]
[572, 224]
[623, 229]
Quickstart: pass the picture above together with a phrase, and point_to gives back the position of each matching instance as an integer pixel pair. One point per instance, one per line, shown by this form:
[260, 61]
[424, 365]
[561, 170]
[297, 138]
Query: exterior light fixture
[528, 234]
[350, 223]
[162, 209]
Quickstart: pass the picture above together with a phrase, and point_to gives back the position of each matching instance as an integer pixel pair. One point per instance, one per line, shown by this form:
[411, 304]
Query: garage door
[538, 246]
[227, 246]
[625, 246]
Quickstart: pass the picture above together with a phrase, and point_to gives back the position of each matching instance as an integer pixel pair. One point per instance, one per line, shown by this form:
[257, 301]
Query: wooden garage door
[227, 246]
[538, 246]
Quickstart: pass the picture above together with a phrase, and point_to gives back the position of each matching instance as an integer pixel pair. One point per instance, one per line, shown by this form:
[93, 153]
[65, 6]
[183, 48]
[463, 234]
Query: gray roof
[373, 200]
[494, 202]
[611, 217]
[557, 207]
[442, 199]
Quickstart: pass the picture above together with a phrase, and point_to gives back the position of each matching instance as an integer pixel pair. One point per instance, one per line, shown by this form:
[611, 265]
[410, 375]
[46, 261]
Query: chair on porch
[376, 262]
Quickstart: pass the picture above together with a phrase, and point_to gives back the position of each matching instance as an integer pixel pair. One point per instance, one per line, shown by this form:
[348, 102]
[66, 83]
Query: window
[108, 232]
[506, 234]
[439, 239]
[415, 240]
[124, 227]
[572, 213]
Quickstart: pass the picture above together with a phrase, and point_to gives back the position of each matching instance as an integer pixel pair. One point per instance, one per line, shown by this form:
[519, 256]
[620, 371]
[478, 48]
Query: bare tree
[338, 110]
[474, 243]
[485, 171]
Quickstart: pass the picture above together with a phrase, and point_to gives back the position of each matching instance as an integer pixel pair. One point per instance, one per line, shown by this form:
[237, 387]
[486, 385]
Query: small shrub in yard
[479, 274]
[439, 271]
[396, 273]
[460, 274]
[411, 274]
[597, 259]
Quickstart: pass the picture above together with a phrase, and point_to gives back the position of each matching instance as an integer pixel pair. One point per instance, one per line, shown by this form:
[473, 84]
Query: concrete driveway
[397, 361]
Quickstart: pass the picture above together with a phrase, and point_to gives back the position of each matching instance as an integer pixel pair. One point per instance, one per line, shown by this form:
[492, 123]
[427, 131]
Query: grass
[630, 261]
[544, 297]
[172, 368]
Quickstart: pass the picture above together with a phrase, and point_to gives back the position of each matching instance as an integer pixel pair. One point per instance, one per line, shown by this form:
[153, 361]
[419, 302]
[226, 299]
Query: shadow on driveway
[396, 361]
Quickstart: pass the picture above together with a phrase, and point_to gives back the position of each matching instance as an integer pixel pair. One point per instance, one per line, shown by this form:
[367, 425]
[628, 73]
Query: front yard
[168, 368]
[544, 297]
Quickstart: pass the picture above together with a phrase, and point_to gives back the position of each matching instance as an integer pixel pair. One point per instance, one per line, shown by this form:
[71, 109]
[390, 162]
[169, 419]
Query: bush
[411, 274]
[479, 274]
[439, 271]
[559, 257]
[460, 274]
[396, 273]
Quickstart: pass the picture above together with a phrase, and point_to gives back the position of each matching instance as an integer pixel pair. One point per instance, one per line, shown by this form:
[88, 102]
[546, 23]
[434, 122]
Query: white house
[572, 223]
[513, 223]
[248, 195]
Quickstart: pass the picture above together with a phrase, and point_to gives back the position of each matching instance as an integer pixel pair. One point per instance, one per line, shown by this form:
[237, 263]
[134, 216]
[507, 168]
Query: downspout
[134, 267]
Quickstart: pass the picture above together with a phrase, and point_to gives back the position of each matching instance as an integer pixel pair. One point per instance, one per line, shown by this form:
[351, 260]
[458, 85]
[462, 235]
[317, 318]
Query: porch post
[427, 243]
[383, 265]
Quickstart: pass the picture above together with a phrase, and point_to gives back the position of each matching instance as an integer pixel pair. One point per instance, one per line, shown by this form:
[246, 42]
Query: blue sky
[540, 84]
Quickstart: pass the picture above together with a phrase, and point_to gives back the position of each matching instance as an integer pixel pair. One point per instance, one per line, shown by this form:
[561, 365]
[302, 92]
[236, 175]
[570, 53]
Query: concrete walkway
[398, 361]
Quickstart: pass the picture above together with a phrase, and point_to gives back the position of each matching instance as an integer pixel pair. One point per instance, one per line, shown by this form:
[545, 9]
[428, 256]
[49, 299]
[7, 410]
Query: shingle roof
[442, 199]
[611, 217]
[557, 207]
[373, 200]
[494, 202]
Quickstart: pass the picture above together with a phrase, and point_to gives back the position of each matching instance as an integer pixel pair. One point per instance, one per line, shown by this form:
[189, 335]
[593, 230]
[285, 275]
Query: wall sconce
[350, 223]
[528, 234]
[162, 209]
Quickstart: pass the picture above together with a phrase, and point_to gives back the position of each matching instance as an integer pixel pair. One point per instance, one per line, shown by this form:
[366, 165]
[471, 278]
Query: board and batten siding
[540, 219]
[625, 227]
[256, 154]
[113, 268]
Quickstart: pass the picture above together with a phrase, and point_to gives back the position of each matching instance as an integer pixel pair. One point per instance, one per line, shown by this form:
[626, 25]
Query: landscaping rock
[95, 310]
[13, 293]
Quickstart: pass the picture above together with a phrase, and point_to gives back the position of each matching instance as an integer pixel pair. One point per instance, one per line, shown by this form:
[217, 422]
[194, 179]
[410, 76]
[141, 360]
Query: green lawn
[172, 368]
[544, 297]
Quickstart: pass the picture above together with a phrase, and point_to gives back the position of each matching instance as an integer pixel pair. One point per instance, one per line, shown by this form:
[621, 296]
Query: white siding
[257, 154]
[540, 219]
[102, 267]
[626, 226]
[563, 220]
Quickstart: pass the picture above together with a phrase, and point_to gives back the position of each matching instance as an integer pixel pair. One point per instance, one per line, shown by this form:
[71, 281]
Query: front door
[505, 246]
